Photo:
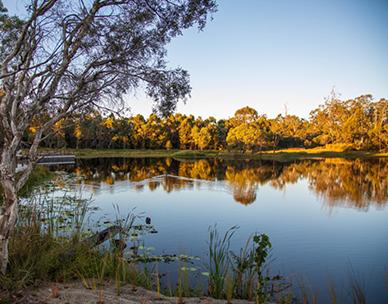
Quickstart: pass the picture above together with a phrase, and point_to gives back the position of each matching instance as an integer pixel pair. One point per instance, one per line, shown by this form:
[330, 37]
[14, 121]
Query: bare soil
[76, 293]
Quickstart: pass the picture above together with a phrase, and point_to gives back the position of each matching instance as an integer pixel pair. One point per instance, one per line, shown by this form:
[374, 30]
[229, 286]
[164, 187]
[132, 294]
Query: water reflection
[349, 183]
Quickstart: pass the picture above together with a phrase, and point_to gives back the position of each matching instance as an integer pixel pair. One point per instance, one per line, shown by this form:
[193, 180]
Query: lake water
[327, 219]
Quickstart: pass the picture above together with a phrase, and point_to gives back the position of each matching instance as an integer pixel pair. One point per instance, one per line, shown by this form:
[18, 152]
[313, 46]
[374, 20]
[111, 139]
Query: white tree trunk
[7, 223]
[9, 206]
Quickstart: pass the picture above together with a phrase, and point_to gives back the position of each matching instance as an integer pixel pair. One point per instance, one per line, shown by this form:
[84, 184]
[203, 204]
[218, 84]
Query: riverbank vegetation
[49, 244]
[282, 155]
[338, 126]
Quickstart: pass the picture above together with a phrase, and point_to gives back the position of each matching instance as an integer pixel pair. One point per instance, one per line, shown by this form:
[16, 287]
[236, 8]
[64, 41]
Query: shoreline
[277, 155]
[111, 292]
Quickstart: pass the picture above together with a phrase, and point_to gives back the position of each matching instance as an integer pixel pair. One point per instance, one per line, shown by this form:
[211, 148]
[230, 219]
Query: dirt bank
[77, 294]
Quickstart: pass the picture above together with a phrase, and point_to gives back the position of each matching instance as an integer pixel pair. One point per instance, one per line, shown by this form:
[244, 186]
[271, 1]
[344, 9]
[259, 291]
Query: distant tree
[172, 128]
[287, 131]
[168, 145]
[153, 130]
[122, 132]
[195, 134]
[378, 133]
[139, 134]
[205, 138]
[243, 115]
[358, 123]
[248, 130]
[185, 137]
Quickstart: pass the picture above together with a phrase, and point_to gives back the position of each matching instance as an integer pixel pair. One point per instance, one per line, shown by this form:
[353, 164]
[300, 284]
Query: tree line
[355, 124]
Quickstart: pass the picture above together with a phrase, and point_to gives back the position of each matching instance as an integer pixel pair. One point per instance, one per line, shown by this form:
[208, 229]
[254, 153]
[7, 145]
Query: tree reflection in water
[350, 183]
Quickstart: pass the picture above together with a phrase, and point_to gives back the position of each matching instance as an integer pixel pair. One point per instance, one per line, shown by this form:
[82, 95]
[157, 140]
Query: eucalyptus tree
[185, 127]
[66, 56]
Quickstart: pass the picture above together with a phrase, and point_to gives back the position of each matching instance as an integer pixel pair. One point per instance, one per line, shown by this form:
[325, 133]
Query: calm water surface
[327, 219]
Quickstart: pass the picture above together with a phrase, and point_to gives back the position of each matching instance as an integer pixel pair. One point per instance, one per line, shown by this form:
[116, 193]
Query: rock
[54, 291]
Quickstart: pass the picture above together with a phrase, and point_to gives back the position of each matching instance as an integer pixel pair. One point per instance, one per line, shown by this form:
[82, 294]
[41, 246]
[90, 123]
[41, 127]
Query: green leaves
[10, 27]
[219, 262]
[263, 245]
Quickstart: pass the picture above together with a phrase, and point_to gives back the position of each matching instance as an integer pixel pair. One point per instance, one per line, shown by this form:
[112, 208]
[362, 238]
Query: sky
[275, 55]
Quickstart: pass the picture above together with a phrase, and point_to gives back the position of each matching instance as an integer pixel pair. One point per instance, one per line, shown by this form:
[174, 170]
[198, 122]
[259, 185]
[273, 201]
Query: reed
[357, 292]
[243, 268]
[219, 262]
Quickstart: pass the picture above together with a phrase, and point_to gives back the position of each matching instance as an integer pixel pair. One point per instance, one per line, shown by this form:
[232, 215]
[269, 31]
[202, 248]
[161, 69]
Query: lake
[327, 219]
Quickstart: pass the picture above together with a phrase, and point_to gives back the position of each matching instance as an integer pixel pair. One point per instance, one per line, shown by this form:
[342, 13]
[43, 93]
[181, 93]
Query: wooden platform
[57, 160]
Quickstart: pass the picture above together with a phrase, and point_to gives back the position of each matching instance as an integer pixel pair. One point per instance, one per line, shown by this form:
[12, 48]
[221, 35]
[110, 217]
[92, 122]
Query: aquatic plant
[262, 247]
[332, 293]
[242, 275]
[357, 291]
[219, 262]
[243, 268]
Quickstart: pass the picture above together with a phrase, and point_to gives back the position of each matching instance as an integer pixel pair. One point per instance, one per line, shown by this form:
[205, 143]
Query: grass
[106, 153]
[278, 155]
[241, 276]
[192, 154]
[242, 264]
[218, 260]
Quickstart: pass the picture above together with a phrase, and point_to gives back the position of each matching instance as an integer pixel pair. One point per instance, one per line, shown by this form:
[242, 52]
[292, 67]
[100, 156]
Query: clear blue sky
[271, 53]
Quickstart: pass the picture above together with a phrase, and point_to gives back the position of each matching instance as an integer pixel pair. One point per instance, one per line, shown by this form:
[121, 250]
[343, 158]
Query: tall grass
[219, 262]
[55, 215]
[243, 268]
[333, 293]
[239, 275]
[50, 244]
[183, 286]
[354, 293]
[357, 291]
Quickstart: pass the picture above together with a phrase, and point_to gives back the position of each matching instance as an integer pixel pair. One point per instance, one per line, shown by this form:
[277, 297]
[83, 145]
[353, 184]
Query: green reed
[243, 269]
[238, 275]
[219, 263]
[357, 291]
